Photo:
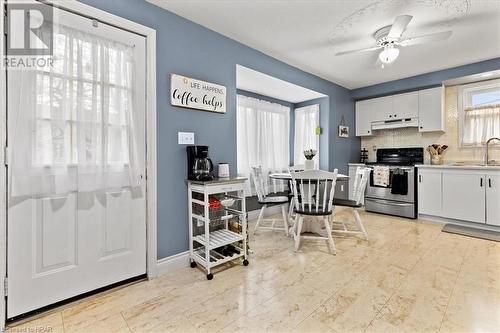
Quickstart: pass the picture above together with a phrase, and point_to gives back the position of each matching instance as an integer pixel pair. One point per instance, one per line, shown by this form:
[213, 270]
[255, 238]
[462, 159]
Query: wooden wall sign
[195, 94]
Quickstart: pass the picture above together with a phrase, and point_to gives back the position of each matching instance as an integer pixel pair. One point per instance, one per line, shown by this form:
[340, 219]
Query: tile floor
[409, 277]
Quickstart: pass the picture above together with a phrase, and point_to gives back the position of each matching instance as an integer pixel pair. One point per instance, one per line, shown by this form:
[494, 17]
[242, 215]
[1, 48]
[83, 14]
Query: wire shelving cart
[217, 222]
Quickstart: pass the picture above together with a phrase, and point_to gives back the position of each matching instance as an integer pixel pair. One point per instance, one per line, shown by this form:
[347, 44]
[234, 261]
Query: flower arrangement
[309, 154]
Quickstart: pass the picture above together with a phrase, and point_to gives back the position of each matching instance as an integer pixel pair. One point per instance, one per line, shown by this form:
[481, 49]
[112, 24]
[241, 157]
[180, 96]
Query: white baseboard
[172, 263]
[443, 221]
[273, 210]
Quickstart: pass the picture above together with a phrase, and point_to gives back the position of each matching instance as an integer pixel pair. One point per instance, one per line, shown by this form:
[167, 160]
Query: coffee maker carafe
[200, 166]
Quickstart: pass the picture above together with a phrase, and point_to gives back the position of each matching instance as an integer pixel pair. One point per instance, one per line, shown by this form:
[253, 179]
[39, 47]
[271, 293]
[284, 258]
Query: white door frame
[150, 34]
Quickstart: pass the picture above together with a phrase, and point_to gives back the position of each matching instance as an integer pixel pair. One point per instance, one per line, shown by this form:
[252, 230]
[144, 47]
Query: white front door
[76, 204]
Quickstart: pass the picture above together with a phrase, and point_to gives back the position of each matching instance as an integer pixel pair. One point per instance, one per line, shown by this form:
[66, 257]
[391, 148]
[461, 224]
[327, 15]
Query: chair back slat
[301, 191]
[317, 194]
[313, 199]
[259, 182]
[360, 183]
[309, 192]
[324, 196]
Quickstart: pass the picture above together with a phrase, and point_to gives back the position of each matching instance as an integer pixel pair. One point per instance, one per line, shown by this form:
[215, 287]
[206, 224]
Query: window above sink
[479, 112]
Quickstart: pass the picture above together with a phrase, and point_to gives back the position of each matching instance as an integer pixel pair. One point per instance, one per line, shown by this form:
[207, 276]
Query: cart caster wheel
[210, 276]
[245, 262]
[193, 264]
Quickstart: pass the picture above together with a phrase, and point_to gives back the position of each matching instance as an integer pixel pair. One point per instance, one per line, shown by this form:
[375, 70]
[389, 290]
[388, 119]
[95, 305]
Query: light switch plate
[186, 138]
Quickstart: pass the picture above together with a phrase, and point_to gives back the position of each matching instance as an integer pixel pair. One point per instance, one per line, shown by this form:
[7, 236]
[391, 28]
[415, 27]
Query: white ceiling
[306, 34]
[259, 83]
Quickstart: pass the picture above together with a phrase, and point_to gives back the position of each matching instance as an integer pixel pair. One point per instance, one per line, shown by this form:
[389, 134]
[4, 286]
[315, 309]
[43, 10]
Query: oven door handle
[389, 202]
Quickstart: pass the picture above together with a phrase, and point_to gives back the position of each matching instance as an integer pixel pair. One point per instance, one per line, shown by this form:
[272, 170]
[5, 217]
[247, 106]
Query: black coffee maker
[200, 166]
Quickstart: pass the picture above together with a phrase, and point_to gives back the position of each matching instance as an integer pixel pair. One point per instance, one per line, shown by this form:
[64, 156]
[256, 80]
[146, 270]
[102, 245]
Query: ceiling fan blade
[426, 38]
[399, 26]
[358, 50]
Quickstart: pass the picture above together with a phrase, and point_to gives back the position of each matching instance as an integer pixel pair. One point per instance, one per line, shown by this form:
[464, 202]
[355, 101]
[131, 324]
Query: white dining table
[308, 226]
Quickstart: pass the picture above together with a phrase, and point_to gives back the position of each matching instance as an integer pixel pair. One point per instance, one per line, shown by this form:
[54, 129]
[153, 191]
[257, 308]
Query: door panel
[429, 192]
[55, 233]
[405, 105]
[381, 108]
[117, 225]
[464, 196]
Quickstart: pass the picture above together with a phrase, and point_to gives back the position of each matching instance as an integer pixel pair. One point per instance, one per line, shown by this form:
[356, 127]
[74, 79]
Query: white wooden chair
[265, 200]
[313, 192]
[360, 183]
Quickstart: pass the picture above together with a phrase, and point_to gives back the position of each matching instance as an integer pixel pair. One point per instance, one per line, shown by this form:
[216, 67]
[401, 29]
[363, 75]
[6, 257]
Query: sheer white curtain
[306, 122]
[480, 124]
[74, 124]
[263, 138]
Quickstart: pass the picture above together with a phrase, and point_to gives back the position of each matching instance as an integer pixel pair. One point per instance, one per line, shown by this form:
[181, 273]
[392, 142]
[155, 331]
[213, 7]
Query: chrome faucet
[488, 147]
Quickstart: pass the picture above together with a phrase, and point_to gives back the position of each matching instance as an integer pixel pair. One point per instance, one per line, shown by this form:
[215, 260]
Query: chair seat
[274, 200]
[346, 203]
[313, 211]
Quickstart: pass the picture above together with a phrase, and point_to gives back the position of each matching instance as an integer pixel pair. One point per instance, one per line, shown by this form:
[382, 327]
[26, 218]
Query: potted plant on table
[309, 155]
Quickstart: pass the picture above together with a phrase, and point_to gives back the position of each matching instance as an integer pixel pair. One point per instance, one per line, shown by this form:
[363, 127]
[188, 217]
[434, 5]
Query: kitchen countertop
[455, 166]
[218, 181]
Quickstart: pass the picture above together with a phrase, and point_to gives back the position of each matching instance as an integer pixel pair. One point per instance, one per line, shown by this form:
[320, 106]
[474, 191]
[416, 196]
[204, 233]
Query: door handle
[481, 182]
[489, 182]
[419, 178]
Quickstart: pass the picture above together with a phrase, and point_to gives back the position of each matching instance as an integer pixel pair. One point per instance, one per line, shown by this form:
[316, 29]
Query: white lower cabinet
[493, 199]
[429, 200]
[462, 194]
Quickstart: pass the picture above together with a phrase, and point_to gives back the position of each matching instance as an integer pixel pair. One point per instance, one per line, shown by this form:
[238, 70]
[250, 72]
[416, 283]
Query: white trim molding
[3, 170]
[173, 263]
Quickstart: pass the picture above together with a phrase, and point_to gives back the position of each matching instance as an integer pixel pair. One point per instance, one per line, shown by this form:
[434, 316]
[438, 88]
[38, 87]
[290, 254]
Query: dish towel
[381, 176]
[399, 182]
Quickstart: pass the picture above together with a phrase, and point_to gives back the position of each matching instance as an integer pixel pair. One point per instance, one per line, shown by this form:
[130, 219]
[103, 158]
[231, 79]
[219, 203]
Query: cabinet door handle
[481, 182]
[489, 182]
[419, 178]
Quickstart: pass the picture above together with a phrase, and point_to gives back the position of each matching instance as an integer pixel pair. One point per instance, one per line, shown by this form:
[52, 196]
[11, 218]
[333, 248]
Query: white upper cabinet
[430, 110]
[405, 106]
[381, 108]
[363, 119]
[423, 107]
[493, 199]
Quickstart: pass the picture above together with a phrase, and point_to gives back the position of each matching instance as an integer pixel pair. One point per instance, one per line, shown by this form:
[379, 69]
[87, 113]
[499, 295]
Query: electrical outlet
[186, 138]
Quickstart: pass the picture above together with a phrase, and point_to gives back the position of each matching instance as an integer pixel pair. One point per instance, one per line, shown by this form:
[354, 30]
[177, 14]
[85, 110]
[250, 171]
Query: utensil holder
[436, 159]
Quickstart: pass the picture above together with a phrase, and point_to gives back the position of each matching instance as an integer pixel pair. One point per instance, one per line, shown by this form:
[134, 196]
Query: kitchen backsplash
[410, 137]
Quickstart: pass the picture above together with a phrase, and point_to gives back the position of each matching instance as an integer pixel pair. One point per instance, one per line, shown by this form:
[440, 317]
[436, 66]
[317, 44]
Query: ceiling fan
[389, 38]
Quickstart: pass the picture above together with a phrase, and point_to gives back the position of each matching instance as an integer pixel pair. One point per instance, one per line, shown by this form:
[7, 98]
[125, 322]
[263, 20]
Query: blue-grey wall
[324, 106]
[277, 101]
[423, 81]
[186, 48]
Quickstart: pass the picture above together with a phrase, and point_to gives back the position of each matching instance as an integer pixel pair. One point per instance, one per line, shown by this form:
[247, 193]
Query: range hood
[396, 123]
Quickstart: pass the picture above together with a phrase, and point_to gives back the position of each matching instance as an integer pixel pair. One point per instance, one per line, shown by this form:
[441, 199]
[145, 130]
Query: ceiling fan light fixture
[388, 54]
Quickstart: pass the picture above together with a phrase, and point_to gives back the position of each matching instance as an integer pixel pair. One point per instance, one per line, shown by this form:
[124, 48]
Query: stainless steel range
[392, 188]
